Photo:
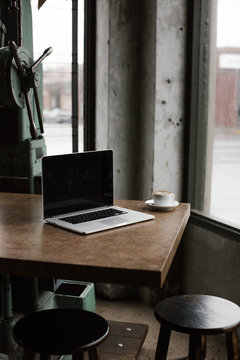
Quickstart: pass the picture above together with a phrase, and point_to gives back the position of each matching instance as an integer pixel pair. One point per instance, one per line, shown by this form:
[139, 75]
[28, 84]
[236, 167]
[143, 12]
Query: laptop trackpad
[115, 222]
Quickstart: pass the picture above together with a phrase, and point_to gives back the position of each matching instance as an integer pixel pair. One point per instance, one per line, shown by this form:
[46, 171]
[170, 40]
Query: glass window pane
[225, 193]
[57, 70]
[80, 72]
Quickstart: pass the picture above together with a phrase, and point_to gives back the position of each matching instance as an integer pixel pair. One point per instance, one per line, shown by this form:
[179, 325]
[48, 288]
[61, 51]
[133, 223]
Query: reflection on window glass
[225, 192]
[57, 70]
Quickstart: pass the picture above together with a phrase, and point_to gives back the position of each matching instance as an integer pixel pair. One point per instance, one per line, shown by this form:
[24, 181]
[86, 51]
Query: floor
[132, 311]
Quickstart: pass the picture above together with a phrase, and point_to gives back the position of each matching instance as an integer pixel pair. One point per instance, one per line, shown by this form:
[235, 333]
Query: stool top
[61, 331]
[198, 314]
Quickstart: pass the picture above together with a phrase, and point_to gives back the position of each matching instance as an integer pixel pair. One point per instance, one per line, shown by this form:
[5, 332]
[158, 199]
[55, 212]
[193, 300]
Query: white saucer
[170, 206]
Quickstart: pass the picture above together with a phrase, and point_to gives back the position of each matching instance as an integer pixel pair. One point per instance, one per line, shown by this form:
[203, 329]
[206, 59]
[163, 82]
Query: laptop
[77, 193]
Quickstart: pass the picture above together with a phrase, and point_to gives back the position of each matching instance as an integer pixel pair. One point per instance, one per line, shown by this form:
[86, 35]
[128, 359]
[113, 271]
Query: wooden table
[139, 254]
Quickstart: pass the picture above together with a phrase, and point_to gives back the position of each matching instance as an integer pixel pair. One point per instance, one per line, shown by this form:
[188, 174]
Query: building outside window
[225, 194]
[52, 26]
[214, 130]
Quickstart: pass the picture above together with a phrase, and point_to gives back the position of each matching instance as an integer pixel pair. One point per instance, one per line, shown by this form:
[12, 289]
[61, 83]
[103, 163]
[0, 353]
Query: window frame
[89, 122]
[198, 131]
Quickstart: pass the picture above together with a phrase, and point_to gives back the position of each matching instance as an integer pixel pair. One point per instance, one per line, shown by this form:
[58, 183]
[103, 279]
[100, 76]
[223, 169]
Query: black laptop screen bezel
[76, 182]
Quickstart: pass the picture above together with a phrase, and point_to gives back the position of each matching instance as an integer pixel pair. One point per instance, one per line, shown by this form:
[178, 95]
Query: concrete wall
[140, 93]
[170, 95]
[210, 263]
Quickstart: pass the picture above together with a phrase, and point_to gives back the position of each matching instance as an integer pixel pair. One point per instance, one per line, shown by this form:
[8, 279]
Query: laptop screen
[77, 181]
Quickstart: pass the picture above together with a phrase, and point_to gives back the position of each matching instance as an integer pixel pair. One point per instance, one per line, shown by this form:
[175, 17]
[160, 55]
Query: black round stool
[198, 316]
[61, 332]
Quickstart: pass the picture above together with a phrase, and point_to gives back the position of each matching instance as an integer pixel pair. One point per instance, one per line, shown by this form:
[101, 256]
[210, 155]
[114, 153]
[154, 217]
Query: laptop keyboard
[94, 215]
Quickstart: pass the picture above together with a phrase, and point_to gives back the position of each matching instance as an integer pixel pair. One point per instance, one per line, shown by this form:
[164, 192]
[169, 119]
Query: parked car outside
[57, 115]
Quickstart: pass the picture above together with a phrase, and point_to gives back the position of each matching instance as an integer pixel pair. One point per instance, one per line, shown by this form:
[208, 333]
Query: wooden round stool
[61, 332]
[198, 316]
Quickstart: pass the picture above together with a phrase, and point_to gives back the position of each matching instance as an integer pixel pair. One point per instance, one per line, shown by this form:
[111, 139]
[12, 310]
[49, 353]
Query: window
[214, 113]
[225, 191]
[62, 72]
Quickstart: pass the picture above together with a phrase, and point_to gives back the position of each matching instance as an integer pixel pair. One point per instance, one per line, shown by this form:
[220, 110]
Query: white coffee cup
[162, 197]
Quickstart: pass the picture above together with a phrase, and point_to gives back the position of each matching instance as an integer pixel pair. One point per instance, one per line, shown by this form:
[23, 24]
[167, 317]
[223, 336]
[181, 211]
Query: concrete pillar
[171, 35]
[140, 93]
[125, 91]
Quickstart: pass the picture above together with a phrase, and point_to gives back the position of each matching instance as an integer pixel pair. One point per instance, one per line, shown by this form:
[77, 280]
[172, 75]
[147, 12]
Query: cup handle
[173, 197]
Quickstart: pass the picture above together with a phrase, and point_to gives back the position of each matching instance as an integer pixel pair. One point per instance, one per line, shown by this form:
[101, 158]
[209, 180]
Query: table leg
[197, 347]
[6, 288]
[8, 346]
[232, 345]
[163, 343]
